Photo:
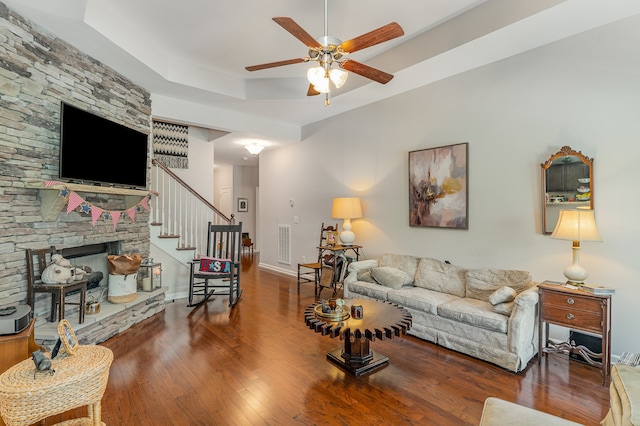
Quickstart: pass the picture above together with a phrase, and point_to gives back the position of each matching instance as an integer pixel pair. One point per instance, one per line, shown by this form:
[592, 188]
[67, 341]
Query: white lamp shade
[318, 78]
[346, 208]
[338, 76]
[576, 225]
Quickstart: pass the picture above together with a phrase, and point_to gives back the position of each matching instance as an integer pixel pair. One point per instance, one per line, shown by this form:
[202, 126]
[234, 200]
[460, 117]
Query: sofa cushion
[436, 275]
[404, 262]
[504, 308]
[365, 275]
[370, 290]
[481, 283]
[420, 299]
[502, 295]
[392, 277]
[477, 313]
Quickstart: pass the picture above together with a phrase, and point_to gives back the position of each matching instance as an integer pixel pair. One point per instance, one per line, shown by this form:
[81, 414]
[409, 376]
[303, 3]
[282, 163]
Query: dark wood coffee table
[380, 320]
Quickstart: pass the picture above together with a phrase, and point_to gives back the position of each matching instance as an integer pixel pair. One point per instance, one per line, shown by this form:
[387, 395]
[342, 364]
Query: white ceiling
[196, 50]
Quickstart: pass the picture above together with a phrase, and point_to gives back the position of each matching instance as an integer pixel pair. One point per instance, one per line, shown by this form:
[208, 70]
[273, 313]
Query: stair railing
[181, 212]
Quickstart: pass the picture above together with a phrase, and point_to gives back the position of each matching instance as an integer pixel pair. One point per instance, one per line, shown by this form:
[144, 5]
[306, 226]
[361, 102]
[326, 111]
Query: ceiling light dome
[254, 149]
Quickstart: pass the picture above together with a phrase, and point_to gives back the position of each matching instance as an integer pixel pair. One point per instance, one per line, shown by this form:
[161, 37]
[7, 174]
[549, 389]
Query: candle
[146, 284]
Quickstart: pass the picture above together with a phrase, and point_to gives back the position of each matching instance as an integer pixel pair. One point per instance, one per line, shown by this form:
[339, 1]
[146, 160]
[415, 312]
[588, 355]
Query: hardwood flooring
[258, 364]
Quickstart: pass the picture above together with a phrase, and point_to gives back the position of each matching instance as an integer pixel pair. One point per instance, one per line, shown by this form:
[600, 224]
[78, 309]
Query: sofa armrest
[624, 395]
[352, 272]
[522, 334]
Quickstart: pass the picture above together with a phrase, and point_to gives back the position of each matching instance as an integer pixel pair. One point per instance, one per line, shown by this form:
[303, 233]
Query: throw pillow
[501, 295]
[365, 275]
[404, 262]
[391, 277]
[504, 308]
[481, 283]
[438, 276]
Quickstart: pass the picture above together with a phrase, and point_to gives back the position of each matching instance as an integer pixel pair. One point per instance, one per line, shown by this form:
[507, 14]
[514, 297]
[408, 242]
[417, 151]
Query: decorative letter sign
[211, 265]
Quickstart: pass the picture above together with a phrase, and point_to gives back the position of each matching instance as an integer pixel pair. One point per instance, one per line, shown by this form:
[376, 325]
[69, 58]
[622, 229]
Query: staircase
[179, 220]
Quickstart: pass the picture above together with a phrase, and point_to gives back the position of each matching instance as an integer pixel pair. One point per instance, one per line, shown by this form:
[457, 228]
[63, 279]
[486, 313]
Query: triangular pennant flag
[145, 203]
[132, 213]
[115, 216]
[48, 183]
[74, 201]
[96, 212]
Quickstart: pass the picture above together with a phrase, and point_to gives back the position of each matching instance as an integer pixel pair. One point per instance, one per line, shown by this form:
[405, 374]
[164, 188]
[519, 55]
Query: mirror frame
[564, 151]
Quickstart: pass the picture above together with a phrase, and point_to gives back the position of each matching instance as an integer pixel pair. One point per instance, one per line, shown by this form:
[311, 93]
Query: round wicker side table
[80, 379]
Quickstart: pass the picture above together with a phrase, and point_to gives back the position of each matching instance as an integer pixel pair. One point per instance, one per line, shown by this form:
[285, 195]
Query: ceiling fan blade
[275, 64]
[367, 71]
[377, 36]
[312, 91]
[297, 31]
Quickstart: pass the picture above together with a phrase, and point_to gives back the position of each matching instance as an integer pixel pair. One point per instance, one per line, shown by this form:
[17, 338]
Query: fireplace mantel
[52, 204]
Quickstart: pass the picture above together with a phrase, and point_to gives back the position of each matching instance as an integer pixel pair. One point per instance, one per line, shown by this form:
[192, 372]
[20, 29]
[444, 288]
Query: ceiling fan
[329, 50]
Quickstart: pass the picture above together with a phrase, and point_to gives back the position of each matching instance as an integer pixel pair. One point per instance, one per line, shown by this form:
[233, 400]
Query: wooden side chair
[217, 273]
[247, 244]
[310, 272]
[37, 261]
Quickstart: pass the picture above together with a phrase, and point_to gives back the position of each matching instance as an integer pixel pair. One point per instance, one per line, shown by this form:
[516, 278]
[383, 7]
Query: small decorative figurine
[42, 363]
[357, 312]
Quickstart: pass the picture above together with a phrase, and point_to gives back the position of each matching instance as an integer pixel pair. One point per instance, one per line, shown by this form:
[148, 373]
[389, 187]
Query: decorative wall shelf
[52, 203]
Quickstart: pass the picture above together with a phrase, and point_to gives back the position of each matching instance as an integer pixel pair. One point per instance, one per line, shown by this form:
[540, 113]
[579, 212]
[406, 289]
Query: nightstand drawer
[572, 301]
[588, 321]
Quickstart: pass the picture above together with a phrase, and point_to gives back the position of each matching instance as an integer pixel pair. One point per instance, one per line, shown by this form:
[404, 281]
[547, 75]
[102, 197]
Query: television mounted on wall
[94, 150]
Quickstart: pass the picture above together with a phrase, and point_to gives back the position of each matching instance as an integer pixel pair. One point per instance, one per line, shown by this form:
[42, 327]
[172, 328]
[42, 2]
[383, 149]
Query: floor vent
[284, 244]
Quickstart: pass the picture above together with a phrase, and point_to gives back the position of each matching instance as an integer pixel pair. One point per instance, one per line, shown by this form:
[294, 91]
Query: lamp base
[575, 273]
[347, 238]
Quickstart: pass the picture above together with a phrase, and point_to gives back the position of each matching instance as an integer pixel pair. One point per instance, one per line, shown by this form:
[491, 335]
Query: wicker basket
[122, 288]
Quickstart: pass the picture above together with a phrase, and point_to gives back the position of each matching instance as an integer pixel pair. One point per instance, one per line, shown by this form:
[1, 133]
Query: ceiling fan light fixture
[317, 77]
[338, 76]
[254, 149]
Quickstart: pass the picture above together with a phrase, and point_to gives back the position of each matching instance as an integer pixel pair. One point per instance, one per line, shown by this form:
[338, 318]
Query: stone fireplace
[112, 318]
[39, 72]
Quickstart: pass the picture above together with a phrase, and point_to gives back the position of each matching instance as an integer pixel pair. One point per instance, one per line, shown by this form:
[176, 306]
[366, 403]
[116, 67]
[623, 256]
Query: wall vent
[284, 244]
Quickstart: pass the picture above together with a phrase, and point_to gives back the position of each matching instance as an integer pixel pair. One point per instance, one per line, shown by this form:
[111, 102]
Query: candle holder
[149, 276]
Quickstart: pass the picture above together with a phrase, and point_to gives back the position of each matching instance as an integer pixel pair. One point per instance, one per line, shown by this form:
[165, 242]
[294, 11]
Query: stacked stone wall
[37, 73]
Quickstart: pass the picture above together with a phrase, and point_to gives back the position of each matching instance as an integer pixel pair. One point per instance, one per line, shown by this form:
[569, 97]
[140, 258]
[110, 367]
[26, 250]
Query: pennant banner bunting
[75, 201]
[96, 212]
[115, 216]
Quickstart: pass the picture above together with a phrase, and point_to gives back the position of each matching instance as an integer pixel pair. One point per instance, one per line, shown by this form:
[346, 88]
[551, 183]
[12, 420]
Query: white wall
[245, 181]
[223, 178]
[583, 92]
[199, 175]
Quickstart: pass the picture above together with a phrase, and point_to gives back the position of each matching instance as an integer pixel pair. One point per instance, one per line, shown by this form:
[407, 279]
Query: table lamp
[576, 225]
[346, 208]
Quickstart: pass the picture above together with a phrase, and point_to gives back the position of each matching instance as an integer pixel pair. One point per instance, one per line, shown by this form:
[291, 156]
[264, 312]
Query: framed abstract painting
[439, 187]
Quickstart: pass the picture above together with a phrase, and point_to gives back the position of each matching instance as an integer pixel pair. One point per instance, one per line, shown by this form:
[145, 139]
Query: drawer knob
[570, 301]
[570, 316]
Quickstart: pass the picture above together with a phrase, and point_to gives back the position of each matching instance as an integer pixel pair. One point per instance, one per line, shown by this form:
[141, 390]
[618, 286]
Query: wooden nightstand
[578, 310]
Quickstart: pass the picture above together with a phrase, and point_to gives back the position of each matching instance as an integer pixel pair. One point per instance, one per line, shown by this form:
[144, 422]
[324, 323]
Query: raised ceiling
[197, 50]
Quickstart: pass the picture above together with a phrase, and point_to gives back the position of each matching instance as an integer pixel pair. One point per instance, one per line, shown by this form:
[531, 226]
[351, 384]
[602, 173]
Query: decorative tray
[331, 316]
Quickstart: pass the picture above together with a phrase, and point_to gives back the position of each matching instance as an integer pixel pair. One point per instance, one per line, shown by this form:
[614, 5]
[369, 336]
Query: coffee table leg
[356, 357]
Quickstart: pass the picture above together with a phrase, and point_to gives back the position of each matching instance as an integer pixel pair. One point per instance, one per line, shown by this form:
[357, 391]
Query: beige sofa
[488, 314]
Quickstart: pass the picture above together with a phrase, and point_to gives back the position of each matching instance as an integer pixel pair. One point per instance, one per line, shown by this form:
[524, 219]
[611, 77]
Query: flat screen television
[94, 150]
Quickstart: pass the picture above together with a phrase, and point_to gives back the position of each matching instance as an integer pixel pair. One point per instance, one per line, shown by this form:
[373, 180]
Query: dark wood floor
[260, 365]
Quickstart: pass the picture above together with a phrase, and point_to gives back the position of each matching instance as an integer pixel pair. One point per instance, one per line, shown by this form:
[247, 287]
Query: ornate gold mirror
[567, 183]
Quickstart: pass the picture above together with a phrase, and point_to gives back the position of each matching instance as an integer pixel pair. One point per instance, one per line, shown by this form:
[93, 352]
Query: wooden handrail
[168, 171]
